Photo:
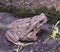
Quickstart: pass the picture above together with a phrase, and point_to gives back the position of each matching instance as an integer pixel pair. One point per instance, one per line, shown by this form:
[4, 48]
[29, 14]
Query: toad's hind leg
[12, 37]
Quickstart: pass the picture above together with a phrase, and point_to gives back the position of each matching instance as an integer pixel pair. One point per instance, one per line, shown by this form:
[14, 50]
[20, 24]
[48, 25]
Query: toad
[25, 29]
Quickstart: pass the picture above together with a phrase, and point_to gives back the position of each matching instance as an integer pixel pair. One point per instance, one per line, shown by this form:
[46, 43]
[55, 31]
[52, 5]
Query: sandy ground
[39, 46]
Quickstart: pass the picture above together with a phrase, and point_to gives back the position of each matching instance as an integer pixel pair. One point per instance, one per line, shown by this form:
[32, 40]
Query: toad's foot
[21, 45]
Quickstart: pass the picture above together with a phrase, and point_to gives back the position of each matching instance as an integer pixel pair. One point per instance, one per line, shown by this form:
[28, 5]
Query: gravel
[32, 3]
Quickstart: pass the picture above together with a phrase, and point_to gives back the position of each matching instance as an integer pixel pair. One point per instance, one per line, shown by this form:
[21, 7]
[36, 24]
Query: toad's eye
[41, 21]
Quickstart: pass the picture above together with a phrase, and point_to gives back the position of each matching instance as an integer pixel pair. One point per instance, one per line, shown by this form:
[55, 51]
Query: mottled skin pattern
[25, 29]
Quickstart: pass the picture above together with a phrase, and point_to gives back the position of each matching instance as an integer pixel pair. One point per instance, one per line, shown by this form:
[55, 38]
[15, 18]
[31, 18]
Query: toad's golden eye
[41, 21]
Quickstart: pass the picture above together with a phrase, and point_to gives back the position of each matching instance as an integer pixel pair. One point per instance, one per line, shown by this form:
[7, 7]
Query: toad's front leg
[31, 36]
[12, 37]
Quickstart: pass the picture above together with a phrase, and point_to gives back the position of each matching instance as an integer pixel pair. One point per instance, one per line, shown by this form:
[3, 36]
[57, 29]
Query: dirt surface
[32, 3]
[39, 46]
